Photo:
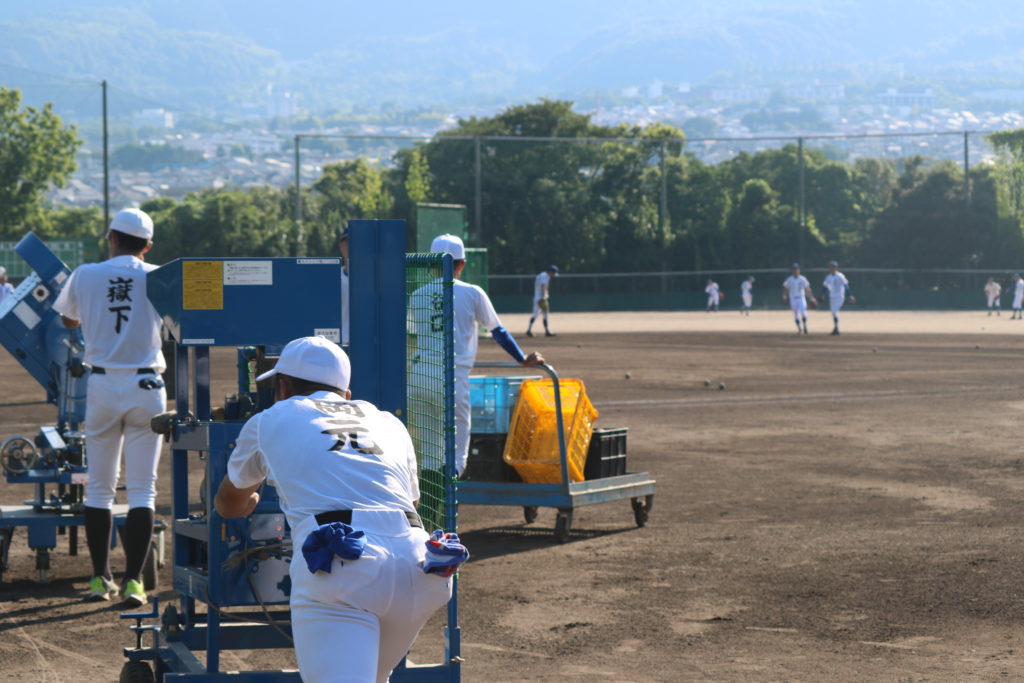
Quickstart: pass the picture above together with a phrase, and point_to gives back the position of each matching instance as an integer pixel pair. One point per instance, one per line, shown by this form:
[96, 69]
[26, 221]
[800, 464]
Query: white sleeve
[484, 310]
[67, 302]
[246, 466]
[394, 423]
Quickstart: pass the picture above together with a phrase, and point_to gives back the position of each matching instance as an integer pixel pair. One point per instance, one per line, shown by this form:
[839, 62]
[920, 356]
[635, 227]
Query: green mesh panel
[430, 350]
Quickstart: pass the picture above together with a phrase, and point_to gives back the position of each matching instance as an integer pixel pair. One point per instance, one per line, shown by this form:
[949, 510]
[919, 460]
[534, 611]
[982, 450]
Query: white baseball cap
[449, 244]
[3, 271]
[314, 359]
[133, 222]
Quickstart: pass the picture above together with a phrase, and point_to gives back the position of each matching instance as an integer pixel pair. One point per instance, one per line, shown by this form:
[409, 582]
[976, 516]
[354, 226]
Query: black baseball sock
[138, 533]
[98, 524]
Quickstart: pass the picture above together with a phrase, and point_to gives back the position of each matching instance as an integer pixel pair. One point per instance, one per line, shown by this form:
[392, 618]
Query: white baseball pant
[117, 414]
[799, 306]
[835, 303]
[357, 622]
[1018, 300]
[538, 310]
[748, 300]
[993, 300]
[426, 418]
[712, 301]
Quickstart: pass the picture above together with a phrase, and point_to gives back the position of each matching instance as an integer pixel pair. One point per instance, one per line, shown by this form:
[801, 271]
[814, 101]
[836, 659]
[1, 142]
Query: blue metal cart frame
[567, 495]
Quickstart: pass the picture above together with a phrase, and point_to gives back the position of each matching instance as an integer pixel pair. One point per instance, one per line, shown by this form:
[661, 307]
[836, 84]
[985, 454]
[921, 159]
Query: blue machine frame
[52, 355]
[221, 562]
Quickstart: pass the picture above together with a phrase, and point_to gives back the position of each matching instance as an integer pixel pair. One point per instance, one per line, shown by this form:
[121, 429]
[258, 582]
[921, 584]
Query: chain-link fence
[430, 406]
[875, 289]
[72, 252]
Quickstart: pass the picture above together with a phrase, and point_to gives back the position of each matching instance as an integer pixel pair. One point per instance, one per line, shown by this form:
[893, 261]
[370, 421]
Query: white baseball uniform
[712, 291]
[6, 289]
[992, 291]
[796, 288]
[541, 285]
[1018, 294]
[325, 454]
[121, 330]
[747, 293]
[472, 309]
[836, 284]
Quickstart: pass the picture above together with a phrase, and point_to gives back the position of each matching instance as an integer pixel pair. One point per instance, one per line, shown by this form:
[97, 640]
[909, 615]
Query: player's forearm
[70, 323]
[231, 502]
[505, 341]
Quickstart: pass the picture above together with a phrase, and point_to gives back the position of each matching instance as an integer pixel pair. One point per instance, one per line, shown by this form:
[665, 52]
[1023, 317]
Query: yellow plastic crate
[532, 445]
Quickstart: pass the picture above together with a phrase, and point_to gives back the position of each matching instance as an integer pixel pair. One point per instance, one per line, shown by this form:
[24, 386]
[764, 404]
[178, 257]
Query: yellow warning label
[202, 285]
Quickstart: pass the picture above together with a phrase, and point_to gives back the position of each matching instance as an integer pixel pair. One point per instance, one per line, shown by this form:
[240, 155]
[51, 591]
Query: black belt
[96, 370]
[345, 517]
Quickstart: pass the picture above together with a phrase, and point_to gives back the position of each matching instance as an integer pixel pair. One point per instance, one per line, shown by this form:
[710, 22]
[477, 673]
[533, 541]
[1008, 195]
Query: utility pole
[967, 167]
[803, 199]
[106, 161]
[663, 199]
[298, 195]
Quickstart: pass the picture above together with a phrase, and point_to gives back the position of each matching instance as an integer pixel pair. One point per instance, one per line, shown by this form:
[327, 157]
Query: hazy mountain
[214, 54]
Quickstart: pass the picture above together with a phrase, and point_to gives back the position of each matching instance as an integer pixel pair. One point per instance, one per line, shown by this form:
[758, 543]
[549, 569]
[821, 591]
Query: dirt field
[846, 509]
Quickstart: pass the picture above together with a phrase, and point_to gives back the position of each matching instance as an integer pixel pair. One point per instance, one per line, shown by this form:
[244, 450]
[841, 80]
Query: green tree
[36, 152]
[345, 191]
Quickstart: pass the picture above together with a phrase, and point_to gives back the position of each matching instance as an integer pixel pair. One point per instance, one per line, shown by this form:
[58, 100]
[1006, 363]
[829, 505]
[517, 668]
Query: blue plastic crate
[492, 400]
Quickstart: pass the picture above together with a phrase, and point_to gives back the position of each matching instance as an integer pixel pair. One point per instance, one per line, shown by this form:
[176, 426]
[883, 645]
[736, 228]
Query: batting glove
[445, 554]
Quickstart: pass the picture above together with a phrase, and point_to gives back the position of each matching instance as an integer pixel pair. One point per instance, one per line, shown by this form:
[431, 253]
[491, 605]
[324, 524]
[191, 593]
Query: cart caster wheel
[136, 672]
[642, 509]
[530, 513]
[563, 522]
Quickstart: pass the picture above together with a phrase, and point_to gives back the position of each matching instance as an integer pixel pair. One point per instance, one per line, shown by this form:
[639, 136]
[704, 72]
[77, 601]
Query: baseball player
[747, 294]
[121, 330]
[346, 476]
[472, 309]
[714, 295]
[993, 291]
[541, 307]
[1018, 297]
[343, 252]
[6, 288]
[837, 287]
[797, 290]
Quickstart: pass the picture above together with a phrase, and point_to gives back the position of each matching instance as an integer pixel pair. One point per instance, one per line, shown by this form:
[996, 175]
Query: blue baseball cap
[833, 264]
[795, 265]
[553, 269]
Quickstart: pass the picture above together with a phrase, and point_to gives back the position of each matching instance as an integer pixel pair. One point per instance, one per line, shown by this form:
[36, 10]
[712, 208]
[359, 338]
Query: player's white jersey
[712, 290]
[362, 457]
[746, 287]
[540, 286]
[993, 289]
[121, 328]
[1018, 289]
[836, 284]
[470, 306]
[796, 287]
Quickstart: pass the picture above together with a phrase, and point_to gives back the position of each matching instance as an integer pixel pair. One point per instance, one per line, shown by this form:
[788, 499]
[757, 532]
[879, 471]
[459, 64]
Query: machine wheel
[642, 509]
[6, 534]
[530, 513]
[563, 522]
[136, 672]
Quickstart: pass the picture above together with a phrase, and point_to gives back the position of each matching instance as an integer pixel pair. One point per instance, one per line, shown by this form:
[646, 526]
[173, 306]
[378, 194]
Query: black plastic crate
[606, 456]
[485, 459]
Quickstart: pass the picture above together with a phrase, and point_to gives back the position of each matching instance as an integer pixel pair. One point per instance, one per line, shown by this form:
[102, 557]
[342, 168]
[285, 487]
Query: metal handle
[563, 456]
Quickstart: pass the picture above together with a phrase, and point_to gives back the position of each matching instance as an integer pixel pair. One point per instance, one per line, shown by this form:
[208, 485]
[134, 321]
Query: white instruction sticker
[329, 333]
[198, 342]
[319, 261]
[79, 478]
[26, 315]
[248, 272]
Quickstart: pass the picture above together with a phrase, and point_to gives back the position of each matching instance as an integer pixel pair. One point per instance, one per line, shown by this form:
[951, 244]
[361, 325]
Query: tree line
[588, 205]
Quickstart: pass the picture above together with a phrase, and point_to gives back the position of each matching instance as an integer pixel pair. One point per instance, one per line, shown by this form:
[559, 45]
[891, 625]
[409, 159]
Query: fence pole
[298, 196]
[803, 199]
[478, 208]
